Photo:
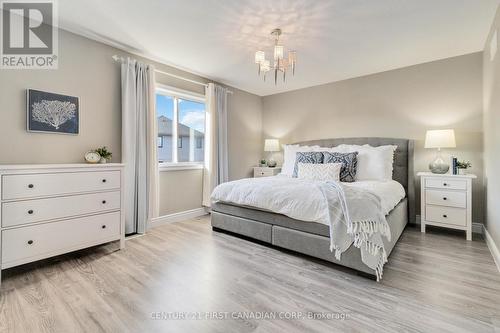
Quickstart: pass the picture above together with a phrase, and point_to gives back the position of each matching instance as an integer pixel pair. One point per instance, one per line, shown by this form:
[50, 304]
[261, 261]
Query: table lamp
[271, 145]
[440, 139]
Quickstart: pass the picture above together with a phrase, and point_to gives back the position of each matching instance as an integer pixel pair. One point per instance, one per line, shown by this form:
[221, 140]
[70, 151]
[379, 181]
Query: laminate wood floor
[434, 282]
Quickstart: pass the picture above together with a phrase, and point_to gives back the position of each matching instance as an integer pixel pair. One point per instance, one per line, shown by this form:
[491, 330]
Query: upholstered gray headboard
[403, 161]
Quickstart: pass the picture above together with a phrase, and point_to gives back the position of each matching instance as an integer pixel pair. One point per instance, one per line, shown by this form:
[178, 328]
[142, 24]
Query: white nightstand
[446, 201]
[265, 171]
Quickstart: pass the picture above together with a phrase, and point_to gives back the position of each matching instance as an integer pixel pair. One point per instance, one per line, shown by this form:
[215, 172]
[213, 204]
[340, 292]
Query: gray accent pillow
[306, 157]
[349, 164]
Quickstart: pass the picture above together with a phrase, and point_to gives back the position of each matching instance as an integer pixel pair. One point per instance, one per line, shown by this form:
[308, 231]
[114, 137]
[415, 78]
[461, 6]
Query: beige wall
[86, 70]
[244, 133]
[402, 103]
[180, 191]
[491, 88]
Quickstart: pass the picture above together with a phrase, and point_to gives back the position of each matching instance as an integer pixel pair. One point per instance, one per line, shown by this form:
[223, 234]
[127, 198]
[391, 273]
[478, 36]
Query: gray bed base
[312, 238]
[308, 238]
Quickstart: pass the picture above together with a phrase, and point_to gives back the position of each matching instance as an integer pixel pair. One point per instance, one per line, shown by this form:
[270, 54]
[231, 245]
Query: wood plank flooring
[434, 282]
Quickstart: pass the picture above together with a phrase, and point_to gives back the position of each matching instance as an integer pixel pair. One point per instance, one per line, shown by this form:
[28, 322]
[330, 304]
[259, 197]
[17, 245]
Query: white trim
[177, 217]
[180, 166]
[477, 228]
[493, 248]
[182, 93]
[175, 128]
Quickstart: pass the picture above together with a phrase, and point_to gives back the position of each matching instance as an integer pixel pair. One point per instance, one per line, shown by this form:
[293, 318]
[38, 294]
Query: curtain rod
[121, 59]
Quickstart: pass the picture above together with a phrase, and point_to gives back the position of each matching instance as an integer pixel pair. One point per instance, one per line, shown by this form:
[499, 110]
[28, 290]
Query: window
[191, 126]
[165, 114]
[181, 127]
[199, 142]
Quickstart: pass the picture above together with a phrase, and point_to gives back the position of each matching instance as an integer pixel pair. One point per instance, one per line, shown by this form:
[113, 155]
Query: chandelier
[280, 63]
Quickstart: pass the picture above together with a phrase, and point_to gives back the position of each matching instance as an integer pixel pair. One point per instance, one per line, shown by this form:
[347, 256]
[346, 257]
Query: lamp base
[271, 163]
[439, 166]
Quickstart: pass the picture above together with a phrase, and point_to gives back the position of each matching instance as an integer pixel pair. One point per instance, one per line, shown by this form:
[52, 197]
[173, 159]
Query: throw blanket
[354, 215]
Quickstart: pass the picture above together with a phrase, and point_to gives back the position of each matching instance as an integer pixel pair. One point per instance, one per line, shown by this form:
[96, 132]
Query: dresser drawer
[263, 172]
[447, 215]
[446, 198]
[444, 183]
[36, 242]
[40, 185]
[30, 211]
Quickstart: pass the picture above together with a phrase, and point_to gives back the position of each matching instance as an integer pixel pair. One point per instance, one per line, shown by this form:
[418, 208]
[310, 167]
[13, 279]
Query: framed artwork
[52, 113]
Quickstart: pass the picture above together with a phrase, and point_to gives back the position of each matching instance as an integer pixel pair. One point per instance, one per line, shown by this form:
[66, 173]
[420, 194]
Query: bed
[312, 238]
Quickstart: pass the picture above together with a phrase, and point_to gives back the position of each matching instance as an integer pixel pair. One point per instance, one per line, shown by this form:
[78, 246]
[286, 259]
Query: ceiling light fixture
[280, 63]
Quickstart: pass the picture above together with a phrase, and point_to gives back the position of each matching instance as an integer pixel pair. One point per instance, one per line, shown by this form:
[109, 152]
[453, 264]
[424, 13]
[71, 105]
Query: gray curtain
[216, 169]
[139, 151]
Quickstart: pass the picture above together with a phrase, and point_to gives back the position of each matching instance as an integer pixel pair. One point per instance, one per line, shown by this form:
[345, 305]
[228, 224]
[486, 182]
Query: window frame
[177, 94]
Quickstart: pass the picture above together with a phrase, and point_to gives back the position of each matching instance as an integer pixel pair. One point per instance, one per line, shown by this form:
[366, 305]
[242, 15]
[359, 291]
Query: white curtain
[216, 159]
[139, 151]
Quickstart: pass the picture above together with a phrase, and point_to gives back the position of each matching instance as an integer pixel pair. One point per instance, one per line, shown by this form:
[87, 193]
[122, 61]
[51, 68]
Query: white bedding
[390, 192]
[298, 198]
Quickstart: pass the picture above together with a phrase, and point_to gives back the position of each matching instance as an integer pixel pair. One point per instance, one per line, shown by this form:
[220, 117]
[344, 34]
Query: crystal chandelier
[280, 63]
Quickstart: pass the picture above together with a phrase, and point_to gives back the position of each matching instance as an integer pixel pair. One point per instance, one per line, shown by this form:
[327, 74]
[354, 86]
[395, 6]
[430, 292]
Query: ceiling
[334, 39]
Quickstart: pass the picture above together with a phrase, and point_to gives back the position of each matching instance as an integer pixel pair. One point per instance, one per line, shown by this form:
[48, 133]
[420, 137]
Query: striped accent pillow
[323, 171]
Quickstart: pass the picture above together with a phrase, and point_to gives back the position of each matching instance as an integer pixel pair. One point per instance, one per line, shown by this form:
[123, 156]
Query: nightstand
[446, 201]
[265, 171]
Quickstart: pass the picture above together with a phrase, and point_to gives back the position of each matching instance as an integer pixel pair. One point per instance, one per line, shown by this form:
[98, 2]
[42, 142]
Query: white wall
[491, 87]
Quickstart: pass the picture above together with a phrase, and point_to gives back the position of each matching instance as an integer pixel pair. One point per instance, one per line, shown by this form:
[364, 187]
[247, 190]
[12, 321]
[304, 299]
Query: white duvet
[297, 198]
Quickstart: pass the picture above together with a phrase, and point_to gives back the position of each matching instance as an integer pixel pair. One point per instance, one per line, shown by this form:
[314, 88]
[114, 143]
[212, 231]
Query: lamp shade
[271, 145]
[440, 139]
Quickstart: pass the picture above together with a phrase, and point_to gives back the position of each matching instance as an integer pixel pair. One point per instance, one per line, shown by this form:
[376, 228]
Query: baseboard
[177, 217]
[477, 228]
[493, 248]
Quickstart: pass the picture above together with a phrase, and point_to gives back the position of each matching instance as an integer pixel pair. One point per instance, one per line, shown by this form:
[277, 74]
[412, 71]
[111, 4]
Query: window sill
[179, 166]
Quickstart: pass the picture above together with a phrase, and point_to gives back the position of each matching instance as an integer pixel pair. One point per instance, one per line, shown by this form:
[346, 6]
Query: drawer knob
[104, 180]
[104, 202]
[30, 242]
[103, 226]
[30, 211]
[444, 184]
[31, 185]
[445, 198]
[445, 215]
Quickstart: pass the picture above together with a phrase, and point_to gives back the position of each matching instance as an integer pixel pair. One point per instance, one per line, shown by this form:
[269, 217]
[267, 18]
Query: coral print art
[52, 113]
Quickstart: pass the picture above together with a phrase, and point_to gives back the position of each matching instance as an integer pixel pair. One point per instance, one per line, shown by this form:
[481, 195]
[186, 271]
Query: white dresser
[446, 201]
[48, 210]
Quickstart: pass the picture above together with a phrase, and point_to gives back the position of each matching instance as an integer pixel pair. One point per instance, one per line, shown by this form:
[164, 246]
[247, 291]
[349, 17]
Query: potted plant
[105, 154]
[462, 167]
[262, 163]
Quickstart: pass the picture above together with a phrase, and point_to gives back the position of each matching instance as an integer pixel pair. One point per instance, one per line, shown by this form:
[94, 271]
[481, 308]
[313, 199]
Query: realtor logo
[29, 35]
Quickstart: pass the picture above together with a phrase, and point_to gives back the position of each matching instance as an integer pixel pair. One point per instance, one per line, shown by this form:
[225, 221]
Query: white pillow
[374, 163]
[290, 154]
[324, 172]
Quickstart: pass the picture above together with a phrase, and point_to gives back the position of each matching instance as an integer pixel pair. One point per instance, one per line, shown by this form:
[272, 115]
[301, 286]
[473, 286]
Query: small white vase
[462, 171]
[103, 160]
